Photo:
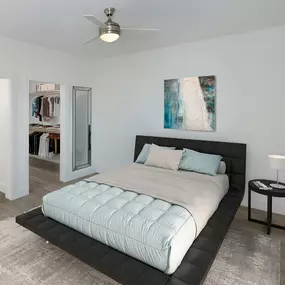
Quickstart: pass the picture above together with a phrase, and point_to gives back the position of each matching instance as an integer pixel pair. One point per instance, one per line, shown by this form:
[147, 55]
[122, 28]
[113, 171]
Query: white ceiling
[60, 24]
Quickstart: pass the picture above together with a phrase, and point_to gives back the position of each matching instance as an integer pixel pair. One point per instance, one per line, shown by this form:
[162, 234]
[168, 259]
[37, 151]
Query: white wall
[5, 115]
[250, 98]
[22, 62]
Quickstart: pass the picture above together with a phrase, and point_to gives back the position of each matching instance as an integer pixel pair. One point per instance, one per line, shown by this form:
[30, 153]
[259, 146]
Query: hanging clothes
[36, 107]
[45, 107]
[43, 148]
[34, 142]
[51, 103]
[56, 110]
[44, 145]
[55, 143]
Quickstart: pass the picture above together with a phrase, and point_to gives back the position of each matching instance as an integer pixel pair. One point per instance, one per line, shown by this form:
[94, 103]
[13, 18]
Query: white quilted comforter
[148, 228]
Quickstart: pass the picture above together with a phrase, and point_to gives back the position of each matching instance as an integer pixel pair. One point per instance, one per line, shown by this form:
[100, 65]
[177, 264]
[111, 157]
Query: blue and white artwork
[190, 103]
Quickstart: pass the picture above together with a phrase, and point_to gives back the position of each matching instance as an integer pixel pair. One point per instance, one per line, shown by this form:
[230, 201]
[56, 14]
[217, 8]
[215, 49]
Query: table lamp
[277, 162]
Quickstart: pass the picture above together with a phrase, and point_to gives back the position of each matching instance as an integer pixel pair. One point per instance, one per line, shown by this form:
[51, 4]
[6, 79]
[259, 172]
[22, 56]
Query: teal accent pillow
[200, 162]
[145, 151]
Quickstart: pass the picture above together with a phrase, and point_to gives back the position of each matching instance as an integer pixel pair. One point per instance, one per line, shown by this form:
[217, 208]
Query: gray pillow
[164, 158]
[145, 151]
[222, 168]
[200, 162]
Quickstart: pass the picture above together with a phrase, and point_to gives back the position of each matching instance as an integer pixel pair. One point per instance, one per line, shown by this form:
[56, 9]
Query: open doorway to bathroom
[44, 136]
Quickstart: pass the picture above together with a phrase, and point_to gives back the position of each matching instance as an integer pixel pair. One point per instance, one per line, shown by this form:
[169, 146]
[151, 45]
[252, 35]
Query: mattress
[151, 230]
[148, 228]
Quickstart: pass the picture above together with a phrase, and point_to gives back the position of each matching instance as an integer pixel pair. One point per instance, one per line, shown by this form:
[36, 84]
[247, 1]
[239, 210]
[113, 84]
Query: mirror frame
[89, 123]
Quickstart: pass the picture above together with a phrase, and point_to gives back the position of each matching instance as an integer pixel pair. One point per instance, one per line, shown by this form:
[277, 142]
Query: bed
[144, 215]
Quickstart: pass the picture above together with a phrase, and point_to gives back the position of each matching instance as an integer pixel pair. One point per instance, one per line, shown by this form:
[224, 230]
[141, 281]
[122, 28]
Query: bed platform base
[129, 271]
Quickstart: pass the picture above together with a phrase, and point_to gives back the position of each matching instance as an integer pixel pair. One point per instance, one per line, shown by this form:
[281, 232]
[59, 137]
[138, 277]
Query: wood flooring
[47, 180]
[43, 180]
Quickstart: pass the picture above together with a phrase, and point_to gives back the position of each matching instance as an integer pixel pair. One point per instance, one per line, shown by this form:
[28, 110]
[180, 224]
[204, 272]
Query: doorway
[19, 157]
[44, 136]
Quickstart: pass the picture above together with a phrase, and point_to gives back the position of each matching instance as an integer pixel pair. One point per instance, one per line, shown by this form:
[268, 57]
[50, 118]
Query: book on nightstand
[262, 186]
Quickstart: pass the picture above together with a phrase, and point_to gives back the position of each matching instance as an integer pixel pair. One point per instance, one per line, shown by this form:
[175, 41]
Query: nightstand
[275, 192]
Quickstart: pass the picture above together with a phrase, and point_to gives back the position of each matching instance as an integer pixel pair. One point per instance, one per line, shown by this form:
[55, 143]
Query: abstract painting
[190, 103]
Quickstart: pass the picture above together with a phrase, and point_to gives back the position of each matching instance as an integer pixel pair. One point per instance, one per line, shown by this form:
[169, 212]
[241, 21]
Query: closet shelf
[42, 93]
[45, 130]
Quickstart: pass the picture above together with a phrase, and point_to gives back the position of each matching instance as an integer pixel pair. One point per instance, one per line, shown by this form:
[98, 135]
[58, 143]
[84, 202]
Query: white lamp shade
[277, 161]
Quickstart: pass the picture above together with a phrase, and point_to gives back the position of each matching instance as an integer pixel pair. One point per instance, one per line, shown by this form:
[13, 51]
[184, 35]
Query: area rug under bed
[26, 259]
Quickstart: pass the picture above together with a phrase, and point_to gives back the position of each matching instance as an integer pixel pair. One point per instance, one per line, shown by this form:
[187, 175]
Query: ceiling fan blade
[94, 20]
[90, 40]
[140, 29]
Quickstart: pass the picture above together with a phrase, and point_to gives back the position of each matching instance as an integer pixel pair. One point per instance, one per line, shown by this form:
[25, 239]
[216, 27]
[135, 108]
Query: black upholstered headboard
[234, 154]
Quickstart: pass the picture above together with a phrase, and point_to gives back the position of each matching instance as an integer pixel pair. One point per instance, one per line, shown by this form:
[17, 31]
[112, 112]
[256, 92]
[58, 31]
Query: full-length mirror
[81, 112]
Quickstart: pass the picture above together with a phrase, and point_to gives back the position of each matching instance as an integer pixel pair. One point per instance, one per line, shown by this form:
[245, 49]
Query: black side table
[275, 192]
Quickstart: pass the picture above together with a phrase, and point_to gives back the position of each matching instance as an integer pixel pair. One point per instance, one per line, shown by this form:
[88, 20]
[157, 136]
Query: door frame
[18, 178]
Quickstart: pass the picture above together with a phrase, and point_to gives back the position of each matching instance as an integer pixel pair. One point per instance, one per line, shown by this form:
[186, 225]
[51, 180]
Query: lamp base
[279, 186]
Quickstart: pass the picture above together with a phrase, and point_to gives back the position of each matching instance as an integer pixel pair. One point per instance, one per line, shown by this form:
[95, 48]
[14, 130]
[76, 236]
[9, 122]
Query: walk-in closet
[44, 129]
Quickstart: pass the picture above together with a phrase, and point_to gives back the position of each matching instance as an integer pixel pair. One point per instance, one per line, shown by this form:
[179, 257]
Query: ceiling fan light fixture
[110, 36]
[109, 31]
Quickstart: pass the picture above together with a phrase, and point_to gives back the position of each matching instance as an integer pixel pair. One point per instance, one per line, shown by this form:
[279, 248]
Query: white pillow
[164, 158]
[222, 168]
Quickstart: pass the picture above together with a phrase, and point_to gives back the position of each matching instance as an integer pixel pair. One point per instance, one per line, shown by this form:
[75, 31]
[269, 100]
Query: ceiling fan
[109, 31]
